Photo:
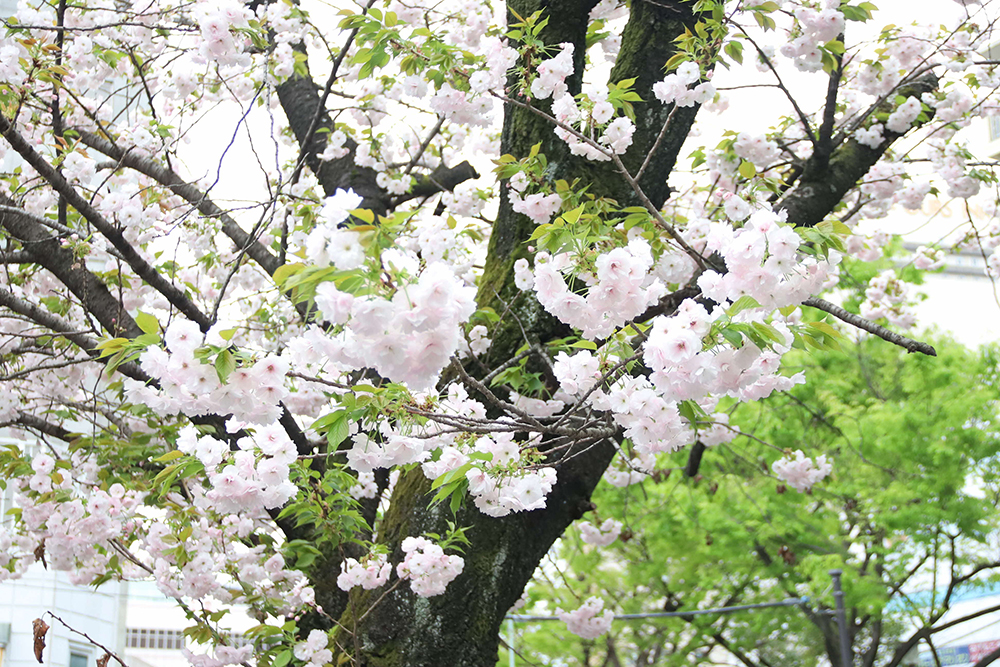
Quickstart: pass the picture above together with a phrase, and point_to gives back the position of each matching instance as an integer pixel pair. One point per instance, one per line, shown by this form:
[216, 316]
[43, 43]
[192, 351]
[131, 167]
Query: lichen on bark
[461, 627]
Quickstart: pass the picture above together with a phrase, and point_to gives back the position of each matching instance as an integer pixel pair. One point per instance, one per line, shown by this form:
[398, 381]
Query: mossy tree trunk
[461, 627]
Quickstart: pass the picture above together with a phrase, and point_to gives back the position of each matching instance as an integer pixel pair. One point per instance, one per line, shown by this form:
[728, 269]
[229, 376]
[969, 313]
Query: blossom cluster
[499, 482]
[757, 149]
[217, 24]
[203, 564]
[427, 566]
[602, 535]
[620, 290]
[407, 338]
[250, 480]
[77, 534]
[220, 656]
[815, 28]
[801, 473]
[590, 620]
[683, 88]
[552, 73]
[886, 296]
[616, 136]
[252, 393]
[313, 651]
[762, 263]
[369, 574]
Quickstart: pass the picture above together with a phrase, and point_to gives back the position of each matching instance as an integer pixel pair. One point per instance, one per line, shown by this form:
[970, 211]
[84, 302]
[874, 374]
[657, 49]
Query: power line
[794, 602]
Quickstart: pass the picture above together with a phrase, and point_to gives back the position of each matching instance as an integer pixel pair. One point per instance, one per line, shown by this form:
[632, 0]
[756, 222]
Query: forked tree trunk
[461, 627]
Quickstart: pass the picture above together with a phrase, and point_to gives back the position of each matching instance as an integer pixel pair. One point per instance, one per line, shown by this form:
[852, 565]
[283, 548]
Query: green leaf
[735, 51]
[112, 345]
[741, 304]
[363, 214]
[692, 412]
[225, 364]
[747, 169]
[571, 217]
[286, 271]
[336, 425]
[734, 338]
[676, 60]
[147, 323]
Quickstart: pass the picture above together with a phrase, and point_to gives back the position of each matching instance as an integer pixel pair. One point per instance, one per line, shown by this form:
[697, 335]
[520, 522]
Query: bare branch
[907, 344]
[42, 426]
[46, 251]
[58, 325]
[167, 178]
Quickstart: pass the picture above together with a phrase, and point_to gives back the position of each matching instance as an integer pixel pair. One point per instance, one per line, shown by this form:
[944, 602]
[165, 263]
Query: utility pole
[846, 656]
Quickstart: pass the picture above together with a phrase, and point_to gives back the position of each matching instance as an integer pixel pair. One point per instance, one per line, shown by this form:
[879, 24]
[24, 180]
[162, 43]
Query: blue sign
[947, 655]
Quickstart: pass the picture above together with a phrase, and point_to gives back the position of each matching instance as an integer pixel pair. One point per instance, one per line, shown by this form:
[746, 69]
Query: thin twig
[656, 144]
[491, 397]
[309, 378]
[89, 639]
[424, 145]
[781, 84]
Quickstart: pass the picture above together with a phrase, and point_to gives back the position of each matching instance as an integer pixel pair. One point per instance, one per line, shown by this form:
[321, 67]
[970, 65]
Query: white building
[99, 614]
[155, 632]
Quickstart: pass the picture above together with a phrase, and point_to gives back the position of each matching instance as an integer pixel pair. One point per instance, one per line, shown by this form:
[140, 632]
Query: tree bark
[461, 627]
[825, 181]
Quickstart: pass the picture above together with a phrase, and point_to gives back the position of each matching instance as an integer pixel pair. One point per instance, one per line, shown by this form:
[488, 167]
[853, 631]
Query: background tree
[913, 510]
[270, 401]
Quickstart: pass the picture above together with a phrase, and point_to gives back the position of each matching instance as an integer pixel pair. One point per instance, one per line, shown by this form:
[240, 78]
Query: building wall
[98, 613]
[155, 624]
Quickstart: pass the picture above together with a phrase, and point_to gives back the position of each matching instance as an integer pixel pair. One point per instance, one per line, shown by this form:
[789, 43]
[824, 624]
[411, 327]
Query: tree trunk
[461, 627]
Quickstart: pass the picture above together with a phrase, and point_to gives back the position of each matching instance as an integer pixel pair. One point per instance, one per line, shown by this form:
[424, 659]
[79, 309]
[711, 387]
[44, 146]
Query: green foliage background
[911, 502]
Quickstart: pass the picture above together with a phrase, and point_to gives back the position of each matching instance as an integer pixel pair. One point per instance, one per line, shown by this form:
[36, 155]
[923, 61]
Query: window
[162, 640]
[78, 659]
[169, 640]
[994, 128]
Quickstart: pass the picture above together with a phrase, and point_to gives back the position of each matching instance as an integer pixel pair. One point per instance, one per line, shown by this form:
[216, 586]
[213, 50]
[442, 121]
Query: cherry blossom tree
[479, 263]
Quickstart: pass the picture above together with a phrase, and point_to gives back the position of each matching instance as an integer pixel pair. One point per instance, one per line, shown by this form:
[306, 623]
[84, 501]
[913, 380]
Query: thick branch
[824, 144]
[308, 150]
[825, 181]
[303, 104]
[647, 44]
[300, 99]
[46, 251]
[465, 622]
[169, 179]
[40, 425]
[142, 268]
[440, 180]
[16, 257]
[58, 325]
[989, 658]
